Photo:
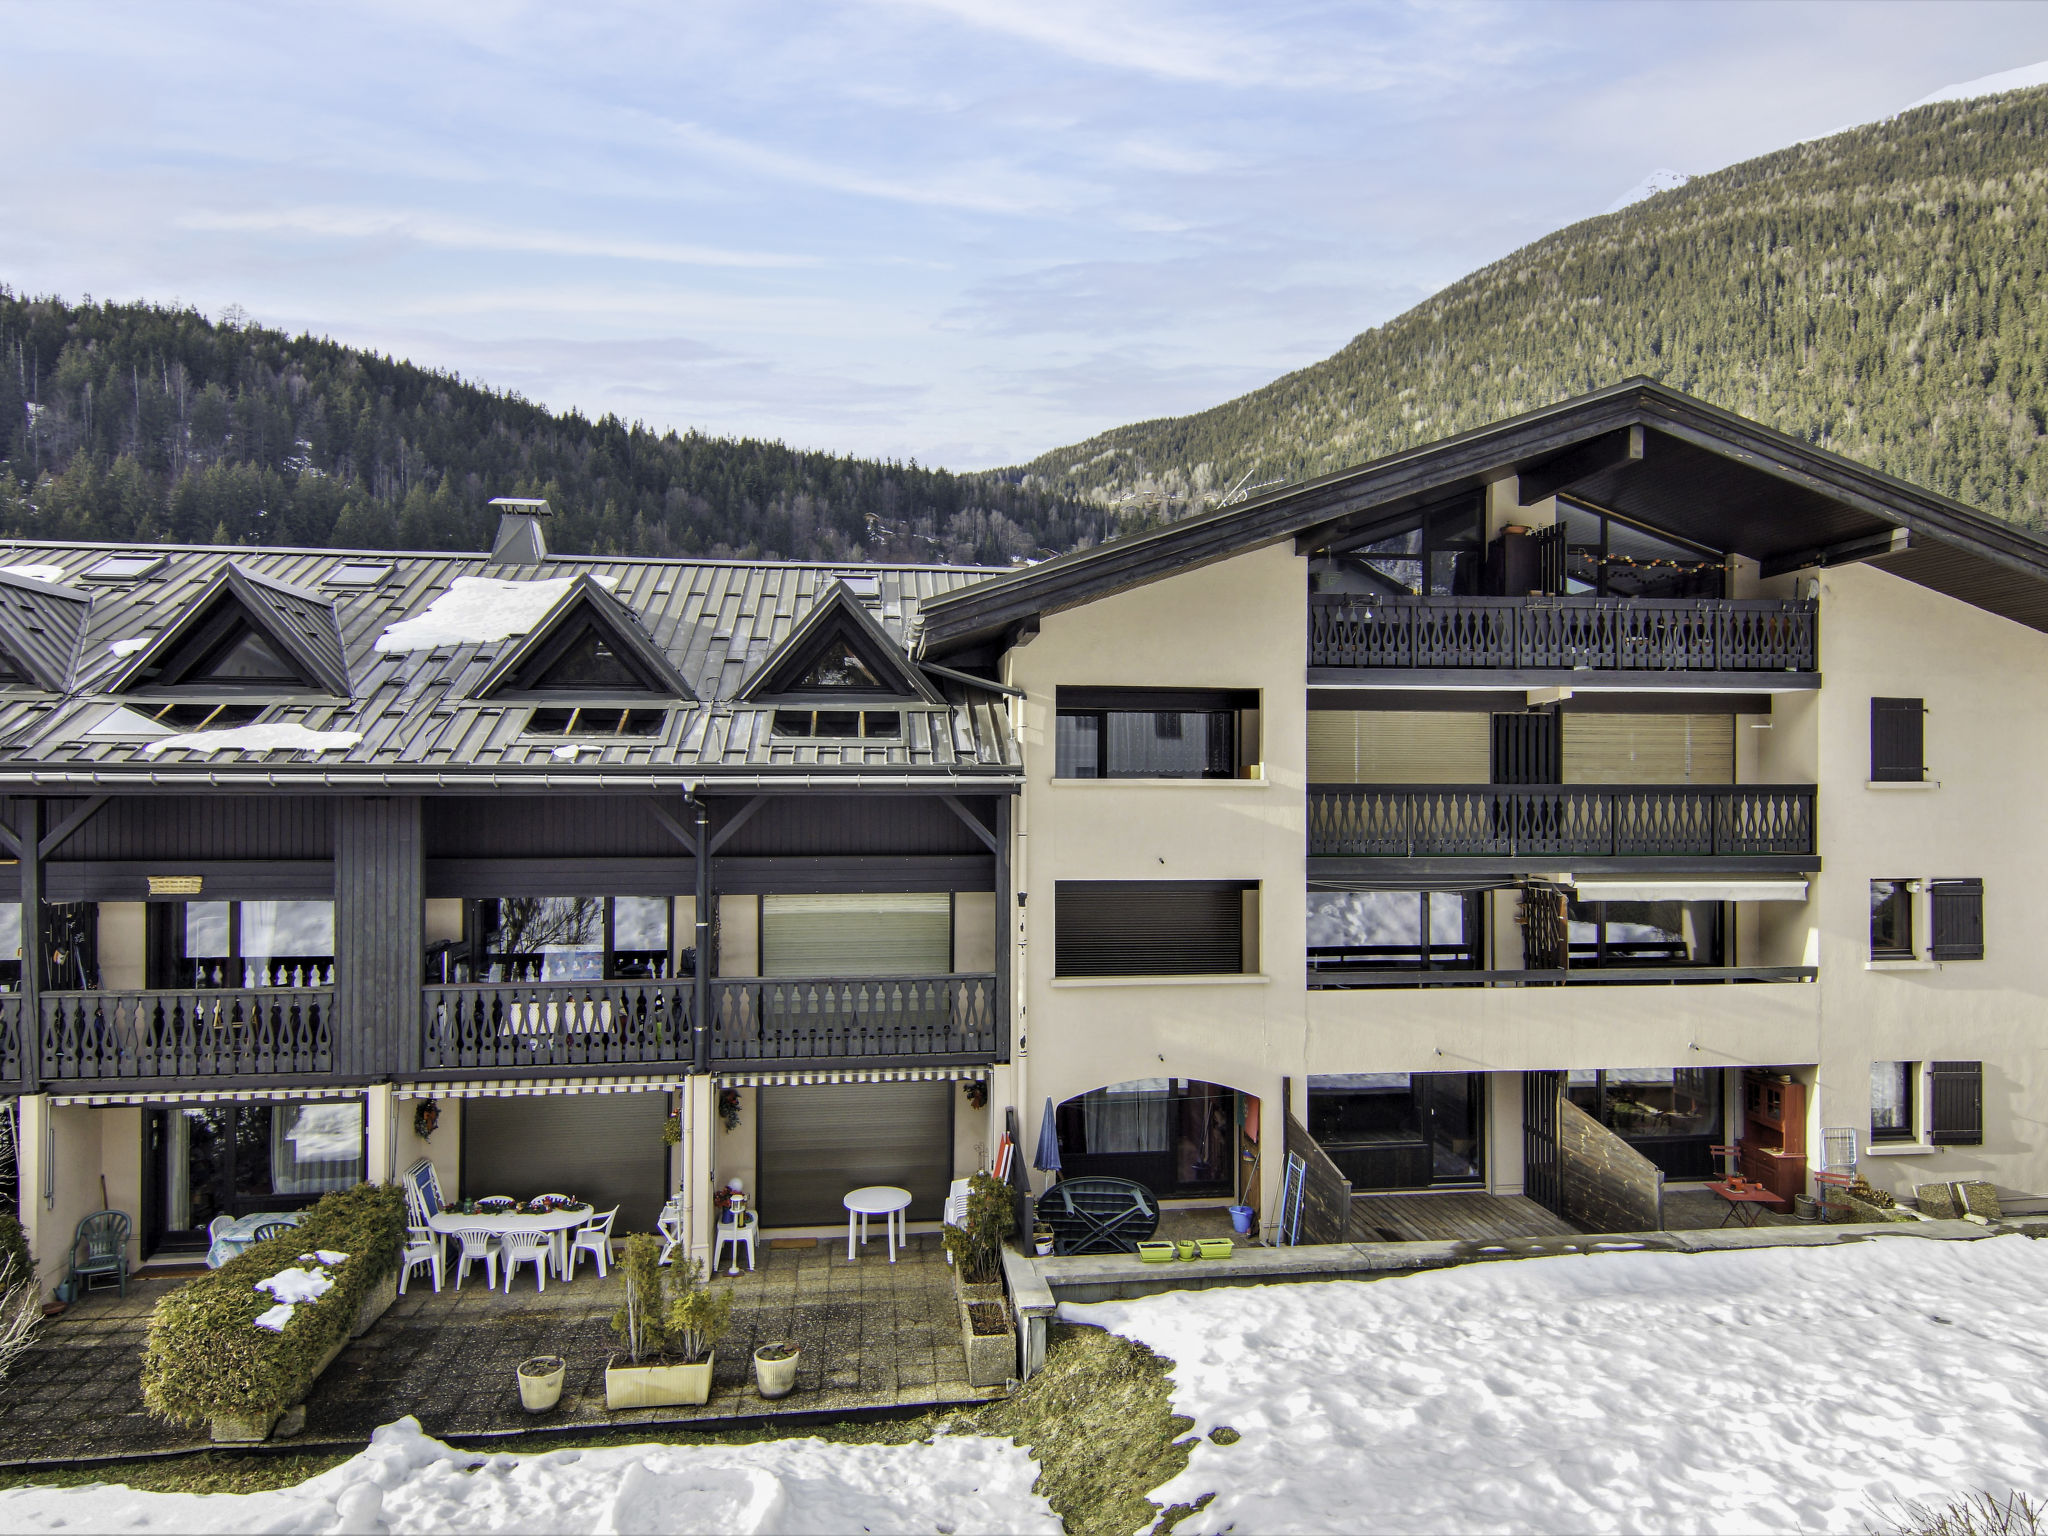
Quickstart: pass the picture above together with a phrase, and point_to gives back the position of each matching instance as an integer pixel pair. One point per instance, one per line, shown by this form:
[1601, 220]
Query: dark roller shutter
[1527, 748]
[604, 1147]
[1958, 919]
[818, 1142]
[1898, 741]
[1956, 1103]
[1148, 928]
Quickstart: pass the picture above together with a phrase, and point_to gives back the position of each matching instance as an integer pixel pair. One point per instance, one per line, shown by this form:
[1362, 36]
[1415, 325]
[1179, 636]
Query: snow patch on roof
[1662, 179]
[282, 736]
[129, 646]
[476, 610]
[1986, 85]
[35, 572]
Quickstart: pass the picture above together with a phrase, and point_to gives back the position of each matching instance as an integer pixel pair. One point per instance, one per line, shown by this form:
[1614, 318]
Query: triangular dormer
[588, 648]
[41, 624]
[838, 652]
[246, 634]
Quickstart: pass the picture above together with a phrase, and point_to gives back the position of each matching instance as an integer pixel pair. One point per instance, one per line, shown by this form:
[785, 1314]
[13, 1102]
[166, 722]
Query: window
[1153, 927]
[1958, 919]
[1672, 1115]
[243, 943]
[596, 722]
[559, 938]
[1153, 733]
[1898, 746]
[1955, 1103]
[585, 663]
[125, 568]
[242, 656]
[1891, 920]
[1438, 553]
[1394, 931]
[1175, 1136]
[213, 1160]
[1607, 556]
[190, 717]
[1891, 1100]
[839, 724]
[1396, 1130]
[355, 573]
[1644, 933]
[838, 669]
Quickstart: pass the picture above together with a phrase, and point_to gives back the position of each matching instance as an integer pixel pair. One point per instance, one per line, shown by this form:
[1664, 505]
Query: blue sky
[965, 232]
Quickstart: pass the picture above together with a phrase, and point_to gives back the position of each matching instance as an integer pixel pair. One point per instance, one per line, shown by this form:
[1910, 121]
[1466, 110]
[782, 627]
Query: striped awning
[534, 1087]
[207, 1095]
[857, 1075]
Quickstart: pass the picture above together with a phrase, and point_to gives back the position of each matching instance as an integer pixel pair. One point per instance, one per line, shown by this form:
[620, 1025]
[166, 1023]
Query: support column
[28, 831]
[701, 983]
[379, 936]
[700, 1164]
[1004, 903]
[380, 1111]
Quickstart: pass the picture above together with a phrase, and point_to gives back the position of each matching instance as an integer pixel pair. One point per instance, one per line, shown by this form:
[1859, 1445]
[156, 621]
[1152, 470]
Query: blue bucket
[1241, 1219]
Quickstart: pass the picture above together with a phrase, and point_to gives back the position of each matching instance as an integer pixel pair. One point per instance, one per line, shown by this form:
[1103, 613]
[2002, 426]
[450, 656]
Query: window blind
[1898, 744]
[1955, 1111]
[1958, 914]
[1148, 928]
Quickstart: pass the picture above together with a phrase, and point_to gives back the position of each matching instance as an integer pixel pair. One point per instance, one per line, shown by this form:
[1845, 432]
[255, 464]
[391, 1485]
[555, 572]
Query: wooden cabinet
[1773, 1138]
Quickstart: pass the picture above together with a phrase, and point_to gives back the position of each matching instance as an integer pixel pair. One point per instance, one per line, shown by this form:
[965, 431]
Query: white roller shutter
[604, 1147]
[864, 935]
[816, 1143]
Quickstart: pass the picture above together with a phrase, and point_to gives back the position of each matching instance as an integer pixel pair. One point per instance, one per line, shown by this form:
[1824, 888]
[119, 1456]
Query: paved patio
[874, 1335]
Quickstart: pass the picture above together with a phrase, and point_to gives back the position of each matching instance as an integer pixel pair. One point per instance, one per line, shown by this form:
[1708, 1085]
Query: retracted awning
[534, 1087]
[1622, 888]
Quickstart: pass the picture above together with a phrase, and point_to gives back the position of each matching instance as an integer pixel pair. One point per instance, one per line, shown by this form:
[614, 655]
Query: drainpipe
[701, 982]
[29, 832]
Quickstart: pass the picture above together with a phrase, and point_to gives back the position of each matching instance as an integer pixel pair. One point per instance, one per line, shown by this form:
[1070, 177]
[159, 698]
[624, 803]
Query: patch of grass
[1980, 1514]
[1098, 1419]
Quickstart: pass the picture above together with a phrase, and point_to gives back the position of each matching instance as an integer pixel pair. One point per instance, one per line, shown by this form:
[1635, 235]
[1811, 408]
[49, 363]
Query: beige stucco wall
[66, 1150]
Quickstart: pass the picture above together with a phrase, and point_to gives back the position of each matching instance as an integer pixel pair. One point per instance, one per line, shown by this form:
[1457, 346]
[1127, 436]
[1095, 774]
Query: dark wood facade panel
[199, 827]
[220, 879]
[795, 876]
[379, 933]
[856, 824]
[561, 877]
[548, 827]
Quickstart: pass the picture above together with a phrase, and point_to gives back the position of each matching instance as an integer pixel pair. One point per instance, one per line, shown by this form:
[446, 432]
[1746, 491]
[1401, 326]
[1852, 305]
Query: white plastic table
[884, 1200]
[555, 1223]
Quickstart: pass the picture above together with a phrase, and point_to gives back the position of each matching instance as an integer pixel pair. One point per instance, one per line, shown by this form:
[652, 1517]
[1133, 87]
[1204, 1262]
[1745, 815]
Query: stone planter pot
[991, 1357]
[240, 1428]
[540, 1382]
[658, 1386]
[776, 1378]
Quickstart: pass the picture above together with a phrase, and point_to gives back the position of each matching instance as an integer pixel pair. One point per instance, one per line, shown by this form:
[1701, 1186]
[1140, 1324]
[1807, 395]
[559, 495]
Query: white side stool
[736, 1233]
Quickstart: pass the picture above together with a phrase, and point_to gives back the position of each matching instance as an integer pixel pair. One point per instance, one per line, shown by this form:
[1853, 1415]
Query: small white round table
[884, 1200]
[557, 1224]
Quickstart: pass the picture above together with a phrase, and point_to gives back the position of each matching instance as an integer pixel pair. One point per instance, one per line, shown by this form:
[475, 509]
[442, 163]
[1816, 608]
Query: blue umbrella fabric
[1047, 1159]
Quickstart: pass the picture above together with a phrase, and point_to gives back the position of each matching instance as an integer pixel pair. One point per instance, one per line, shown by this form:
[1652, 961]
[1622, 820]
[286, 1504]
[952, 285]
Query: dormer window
[839, 724]
[245, 634]
[838, 670]
[588, 644]
[244, 656]
[584, 663]
[838, 649]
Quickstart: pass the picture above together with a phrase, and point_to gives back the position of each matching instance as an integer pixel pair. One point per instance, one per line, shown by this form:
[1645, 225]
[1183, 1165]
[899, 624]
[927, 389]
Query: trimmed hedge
[206, 1356]
[14, 1252]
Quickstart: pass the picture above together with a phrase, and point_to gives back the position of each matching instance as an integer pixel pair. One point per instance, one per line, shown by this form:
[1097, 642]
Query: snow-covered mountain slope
[1986, 85]
[1660, 180]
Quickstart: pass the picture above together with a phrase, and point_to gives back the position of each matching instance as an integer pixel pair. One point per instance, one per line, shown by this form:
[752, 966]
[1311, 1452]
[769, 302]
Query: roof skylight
[358, 573]
[125, 568]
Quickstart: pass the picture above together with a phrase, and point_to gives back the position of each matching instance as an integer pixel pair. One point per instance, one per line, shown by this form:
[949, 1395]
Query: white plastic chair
[736, 1233]
[478, 1247]
[535, 1248]
[218, 1225]
[594, 1237]
[422, 1246]
[670, 1225]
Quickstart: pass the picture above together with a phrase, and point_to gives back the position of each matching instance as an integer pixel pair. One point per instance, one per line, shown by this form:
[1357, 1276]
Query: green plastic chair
[100, 1247]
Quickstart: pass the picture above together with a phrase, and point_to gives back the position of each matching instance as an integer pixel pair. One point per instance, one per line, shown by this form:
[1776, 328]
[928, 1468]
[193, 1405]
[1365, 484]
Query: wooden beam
[55, 837]
[1609, 450]
[7, 837]
[1866, 546]
[740, 818]
[673, 826]
[954, 804]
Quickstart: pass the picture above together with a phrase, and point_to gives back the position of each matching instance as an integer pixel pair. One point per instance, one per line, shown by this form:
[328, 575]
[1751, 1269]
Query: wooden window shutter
[1955, 1103]
[1958, 919]
[1898, 737]
[1148, 928]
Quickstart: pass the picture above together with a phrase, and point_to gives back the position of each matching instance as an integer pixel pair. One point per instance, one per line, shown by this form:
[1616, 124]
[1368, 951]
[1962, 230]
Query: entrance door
[227, 1159]
[602, 1147]
[819, 1141]
[1400, 1130]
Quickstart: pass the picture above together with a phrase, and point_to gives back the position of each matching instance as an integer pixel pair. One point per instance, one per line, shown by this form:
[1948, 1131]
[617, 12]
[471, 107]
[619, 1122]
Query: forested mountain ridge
[1879, 293]
[147, 422]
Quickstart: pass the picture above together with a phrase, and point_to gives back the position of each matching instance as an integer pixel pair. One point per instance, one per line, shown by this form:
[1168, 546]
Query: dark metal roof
[40, 624]
[1706, 475]
[618, 621]
[837, 606]
[415, 711]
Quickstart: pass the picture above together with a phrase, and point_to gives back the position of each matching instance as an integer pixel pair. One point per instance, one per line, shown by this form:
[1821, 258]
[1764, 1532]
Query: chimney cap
[525, 505]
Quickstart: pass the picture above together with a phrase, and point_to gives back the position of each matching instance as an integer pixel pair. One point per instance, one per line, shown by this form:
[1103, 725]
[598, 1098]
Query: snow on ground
[1660, 180]
[1767, 1390]
[288, 736]
[408, 1482]
[476, 610]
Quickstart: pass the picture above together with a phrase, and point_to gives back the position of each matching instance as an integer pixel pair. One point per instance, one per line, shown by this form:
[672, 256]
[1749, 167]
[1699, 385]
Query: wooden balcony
[556, 1026]
[226, 1033]
[10, 1038]
[1510, 821]
[928, 1019]
[1563, 634]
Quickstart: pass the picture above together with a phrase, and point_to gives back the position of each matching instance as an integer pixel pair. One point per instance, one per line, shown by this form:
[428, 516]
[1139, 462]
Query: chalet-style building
[1607, 756]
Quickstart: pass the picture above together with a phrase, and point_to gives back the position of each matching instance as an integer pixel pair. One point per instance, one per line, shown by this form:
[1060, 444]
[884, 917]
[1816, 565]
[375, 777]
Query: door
[602, 1147]
[821, 1140]
[1399, 1130]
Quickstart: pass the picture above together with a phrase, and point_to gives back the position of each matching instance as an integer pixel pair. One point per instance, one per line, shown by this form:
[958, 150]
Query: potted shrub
[975, 1246]
[991, 1342]
[540, 1382]
[670, 1322]
[775, 1369]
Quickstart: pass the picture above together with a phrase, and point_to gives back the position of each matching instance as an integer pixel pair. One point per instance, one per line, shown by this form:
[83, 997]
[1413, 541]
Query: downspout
[701, 982]
[29, 835]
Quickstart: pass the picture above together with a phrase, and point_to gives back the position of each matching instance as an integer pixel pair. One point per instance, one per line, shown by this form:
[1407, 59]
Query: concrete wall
[66, 1150]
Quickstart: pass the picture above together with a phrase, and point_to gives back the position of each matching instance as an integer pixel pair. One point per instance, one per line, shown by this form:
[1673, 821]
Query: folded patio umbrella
[1047, 1158]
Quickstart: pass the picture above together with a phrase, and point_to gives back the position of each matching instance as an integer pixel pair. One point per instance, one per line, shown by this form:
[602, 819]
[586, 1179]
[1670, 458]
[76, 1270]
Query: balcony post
[700, 983]
[28, 832]
[379, 936]
[1004, 929]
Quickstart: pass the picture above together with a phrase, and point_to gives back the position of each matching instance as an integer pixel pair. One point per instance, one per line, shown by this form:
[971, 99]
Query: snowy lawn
[408, 1482]
[1774, 1390]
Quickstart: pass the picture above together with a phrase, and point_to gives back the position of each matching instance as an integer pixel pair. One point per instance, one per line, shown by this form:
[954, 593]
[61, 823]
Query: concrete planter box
[246, 1428]
[991, 1357]
[658, 1386]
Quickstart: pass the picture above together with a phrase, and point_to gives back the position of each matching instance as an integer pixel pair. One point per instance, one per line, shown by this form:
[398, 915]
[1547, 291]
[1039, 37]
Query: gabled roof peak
[589, 646]
[838, 650]
[245, 633]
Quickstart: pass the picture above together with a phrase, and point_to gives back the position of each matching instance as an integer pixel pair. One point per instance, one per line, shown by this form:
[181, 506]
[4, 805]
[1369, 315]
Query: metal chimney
[520, 540]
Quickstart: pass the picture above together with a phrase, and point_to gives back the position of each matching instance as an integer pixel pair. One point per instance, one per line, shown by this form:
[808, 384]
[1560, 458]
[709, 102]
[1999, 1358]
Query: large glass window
[558, 938]
[1438, 553]
[1146, 744]
[1672, 1115]
[245, 943]
[237, 1159]
[1174, 1135]
[1394, 930]
[1614, 558]
[1401, 1130]
[1644, 933]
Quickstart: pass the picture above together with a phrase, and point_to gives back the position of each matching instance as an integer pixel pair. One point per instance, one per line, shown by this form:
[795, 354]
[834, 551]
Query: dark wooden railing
[1323, 978]
[10, 1037]
[518, 1026]
[1407, 821]
[223, 1032]
[870, 1018]
[1605, 634]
